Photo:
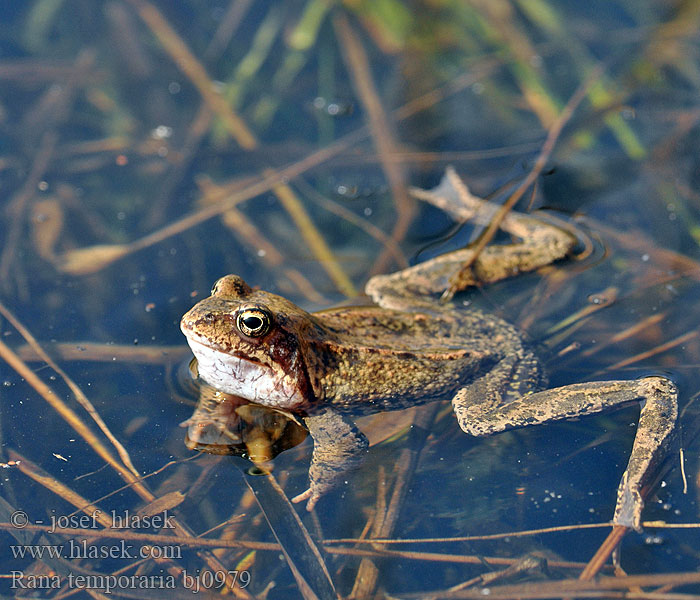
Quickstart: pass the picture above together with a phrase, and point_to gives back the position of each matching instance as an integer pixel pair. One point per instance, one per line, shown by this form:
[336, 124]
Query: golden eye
[254, 322]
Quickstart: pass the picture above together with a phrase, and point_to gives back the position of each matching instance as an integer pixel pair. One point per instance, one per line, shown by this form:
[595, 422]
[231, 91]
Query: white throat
[252, 381]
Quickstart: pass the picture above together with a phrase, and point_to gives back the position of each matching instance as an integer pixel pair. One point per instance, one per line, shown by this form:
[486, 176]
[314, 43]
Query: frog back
[379, 359]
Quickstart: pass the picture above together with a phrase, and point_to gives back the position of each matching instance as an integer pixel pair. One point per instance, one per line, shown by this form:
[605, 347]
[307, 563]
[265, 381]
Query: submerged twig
[102, 352]
[603, 553]
[227, 27]
[386, 516]
[80, 397]
[364, 224]
[358, 65]
[18, 204]
[602, 587]
[661, 348]
[194, 70]
[67, 414]
[94, 258]
[300, 550]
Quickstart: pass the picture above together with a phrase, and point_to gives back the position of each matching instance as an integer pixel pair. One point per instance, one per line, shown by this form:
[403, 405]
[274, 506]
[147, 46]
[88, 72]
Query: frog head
[251, 343]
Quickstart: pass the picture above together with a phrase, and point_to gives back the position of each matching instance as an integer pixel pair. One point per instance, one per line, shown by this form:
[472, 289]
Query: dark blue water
[105, 139]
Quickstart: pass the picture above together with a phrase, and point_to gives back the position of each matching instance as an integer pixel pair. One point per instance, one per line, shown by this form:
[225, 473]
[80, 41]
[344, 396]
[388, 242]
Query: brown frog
[409, 348]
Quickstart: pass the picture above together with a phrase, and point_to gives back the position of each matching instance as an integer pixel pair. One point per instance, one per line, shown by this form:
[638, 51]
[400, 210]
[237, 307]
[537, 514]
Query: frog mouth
[244, 377]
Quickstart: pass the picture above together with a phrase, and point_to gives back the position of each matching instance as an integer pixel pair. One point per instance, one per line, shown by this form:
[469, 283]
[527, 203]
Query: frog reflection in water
[408, 349]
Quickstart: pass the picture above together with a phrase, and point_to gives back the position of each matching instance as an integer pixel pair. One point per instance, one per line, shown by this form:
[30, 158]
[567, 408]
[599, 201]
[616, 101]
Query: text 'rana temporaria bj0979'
[408, 349]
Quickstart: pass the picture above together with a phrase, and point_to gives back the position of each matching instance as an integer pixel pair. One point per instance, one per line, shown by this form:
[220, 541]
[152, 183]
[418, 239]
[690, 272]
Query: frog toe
[305, 495]
[310, 495]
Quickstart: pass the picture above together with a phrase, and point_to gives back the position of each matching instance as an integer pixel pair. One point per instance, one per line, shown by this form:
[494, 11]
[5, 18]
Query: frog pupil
[253, 323]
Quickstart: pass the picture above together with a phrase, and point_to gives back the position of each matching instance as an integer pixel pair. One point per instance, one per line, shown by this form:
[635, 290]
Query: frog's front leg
[658, 398]
[339, 447]
[539, 243]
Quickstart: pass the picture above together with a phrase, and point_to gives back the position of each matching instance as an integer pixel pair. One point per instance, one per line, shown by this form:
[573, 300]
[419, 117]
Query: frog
[410, 346]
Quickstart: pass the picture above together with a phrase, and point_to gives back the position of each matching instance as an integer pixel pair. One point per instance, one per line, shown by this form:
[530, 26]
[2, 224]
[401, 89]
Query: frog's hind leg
[506, 382]
[539, 243]
[658, 398]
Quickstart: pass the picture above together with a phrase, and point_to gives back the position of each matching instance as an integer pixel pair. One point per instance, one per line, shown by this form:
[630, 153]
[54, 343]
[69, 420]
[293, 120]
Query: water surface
[120, 119]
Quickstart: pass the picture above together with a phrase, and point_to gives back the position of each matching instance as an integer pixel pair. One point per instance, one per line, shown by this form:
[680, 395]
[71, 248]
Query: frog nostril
[209, 317]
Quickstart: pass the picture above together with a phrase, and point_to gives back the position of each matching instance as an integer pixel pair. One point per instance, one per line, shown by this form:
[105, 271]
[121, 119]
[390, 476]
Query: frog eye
[254, 322]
